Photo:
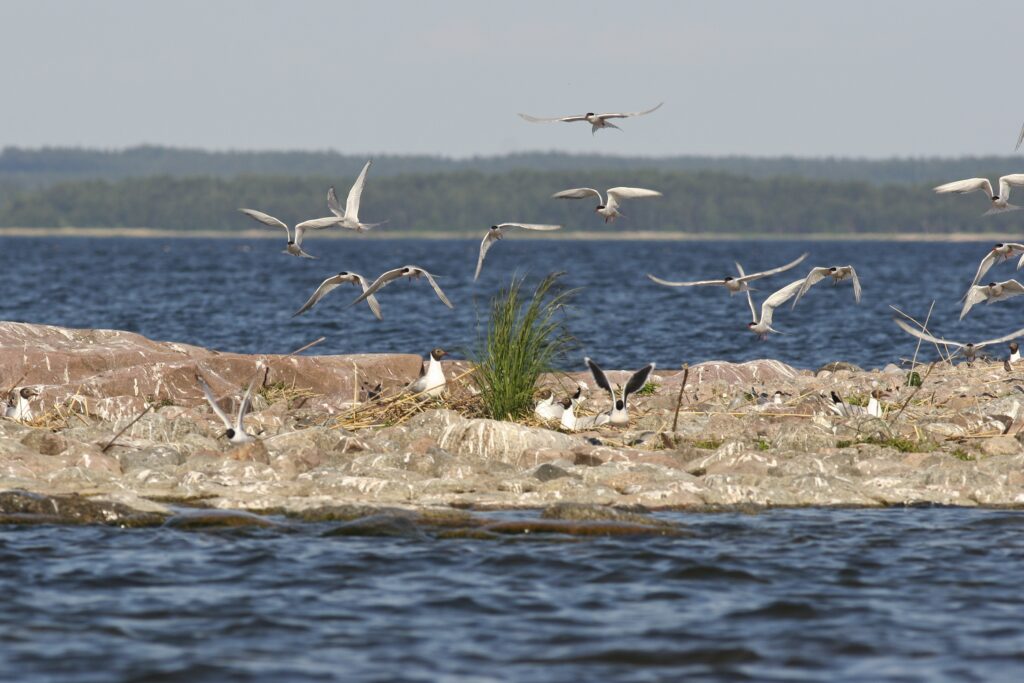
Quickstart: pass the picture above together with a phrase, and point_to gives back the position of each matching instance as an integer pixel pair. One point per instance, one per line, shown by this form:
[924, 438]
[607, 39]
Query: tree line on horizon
[699, 202]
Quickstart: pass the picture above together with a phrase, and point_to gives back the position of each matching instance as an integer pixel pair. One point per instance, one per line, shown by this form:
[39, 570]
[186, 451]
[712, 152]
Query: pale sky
[807, 77]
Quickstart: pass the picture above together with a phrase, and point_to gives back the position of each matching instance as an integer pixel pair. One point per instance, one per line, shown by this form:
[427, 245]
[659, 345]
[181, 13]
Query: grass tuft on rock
[525, 338]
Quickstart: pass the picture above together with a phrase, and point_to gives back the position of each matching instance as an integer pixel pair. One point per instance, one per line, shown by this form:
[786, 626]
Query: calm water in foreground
[239, 295]
[817, 595]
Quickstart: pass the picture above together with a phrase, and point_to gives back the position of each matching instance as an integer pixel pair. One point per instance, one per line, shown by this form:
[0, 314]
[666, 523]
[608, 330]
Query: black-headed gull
[233, 430]
[619, 412]
[432, 381]
[596, 121]
[609, 209]
[19, 404]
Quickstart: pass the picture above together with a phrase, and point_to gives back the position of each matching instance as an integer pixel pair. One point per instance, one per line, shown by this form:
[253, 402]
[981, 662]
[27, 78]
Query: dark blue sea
[239, 295]
[918, 594]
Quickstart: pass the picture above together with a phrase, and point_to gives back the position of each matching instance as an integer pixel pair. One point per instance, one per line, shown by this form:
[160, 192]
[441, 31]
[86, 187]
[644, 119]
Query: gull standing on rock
[350, 214]
[969, 350]
[619, 412]
[609, 209]
[432, 381]
[1000, 202]
[234, 431]
[763, 325]
[732, 284]
[411, 272]
[497, 232]
[294, 245]
[1014, 353]
[596, 121]
[333, 282]
[837, 273]
[990, 293]
[19, 404]
[1002, 251]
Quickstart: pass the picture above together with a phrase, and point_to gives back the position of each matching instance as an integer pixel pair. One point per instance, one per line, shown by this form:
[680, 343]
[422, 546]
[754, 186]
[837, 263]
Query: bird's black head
[494, 227]
[28, 392]
[998, 246]
[1013, 347]
[729, 278]
[599, 207]
[620, 404]
[832, 269]
[343, 273]
[291, 243]
[995, 198]
[230, 433]
[438, 353]
[590, 113]
[992, 284]
[751, 325]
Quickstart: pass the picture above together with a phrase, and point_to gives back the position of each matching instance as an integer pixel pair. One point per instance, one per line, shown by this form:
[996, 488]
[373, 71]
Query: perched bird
[18, 404]
[732, 284]
[294, 245]
[1014, 353]
[609, 209]
[1000, 202]
[333, 282]
[844, 409]
[1000, 252]
[497, 232]
[546, 408]
[431, 381]
[411, 272]
[837, 273]
[990, 293]
[969, 350]
[350, 214]
[619, 413]
[763, 325]
[233, 430]
[572, 422]
[596, 121]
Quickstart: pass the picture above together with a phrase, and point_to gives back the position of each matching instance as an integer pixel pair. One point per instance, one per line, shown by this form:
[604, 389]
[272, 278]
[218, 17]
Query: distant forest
[189, 189]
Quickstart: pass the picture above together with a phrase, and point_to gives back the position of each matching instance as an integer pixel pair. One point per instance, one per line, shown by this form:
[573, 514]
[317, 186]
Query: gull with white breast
[411, 272]
[431, 381]
[732, 284]
[1000, 202]
[968, 349]
[234, 430]
[609, 209]
[19, 404]
[497, 232]
[331, 283]
[596, 121]
[619, 412]
[294, 244]
[350, 214]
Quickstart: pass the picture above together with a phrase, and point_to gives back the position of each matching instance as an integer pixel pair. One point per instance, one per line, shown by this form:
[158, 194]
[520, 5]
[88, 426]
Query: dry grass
[279, 391]
[62, 415]
[387, 411]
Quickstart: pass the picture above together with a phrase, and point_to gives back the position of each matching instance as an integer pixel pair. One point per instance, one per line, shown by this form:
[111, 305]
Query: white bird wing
[975, 295]
[333, 204]
[371, 300]
[318, 223]
[437, 290]
[913, 331]
[354, 195]
[1013, 335]
[1012, 288]
[579, 193]
[1020, 139]
[626, 115]
[600, 378]
[620, 193]
[246, 402]
[267, 219]
[814, 277]
[325, 288]
[485, 244]
[774, 271]
[1008, 181]
[379, 283]
[750, 302]
[698, 283]
[968, 185]
[778, 298]
[213, 402]
[529, 226]
[856, 284]
[538, 119]
[985, 265]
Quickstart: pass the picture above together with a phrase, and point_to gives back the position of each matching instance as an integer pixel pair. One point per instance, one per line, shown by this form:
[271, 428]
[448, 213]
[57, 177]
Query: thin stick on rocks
[125, 429]
[913, 393]
[679, 399]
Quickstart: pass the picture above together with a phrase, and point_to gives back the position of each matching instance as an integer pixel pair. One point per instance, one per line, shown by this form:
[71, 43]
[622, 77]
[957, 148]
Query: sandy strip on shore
[639, 235]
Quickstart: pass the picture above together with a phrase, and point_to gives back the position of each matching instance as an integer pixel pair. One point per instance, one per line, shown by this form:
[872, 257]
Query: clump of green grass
[708, 444]
[525, 337]
[647, 390]
[762, 444]
[857, 400]
[961, 454]
[899, 443]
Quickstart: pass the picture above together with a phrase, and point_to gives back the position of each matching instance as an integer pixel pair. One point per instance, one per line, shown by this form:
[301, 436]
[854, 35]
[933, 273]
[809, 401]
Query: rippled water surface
[239, 295]
[920, 594]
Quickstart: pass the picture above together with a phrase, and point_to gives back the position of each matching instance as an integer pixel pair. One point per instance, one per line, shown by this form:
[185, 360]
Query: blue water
[785, 595]
[239, 295]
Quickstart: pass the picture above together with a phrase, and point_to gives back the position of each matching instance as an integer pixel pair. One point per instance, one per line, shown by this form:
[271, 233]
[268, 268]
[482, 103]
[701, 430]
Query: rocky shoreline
[121, 427]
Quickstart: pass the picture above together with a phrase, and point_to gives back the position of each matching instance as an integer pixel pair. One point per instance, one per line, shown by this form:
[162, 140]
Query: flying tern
[1000, 202]
[350, 214]
[294, 245]
[1000, 252]
[596, 121]
[732, 284]
[497, 232]
[609, 209]
[619, 412]
[331, 283]
[411, 272]
[837, 273]
[763, 325]
[968, 349]
[990, 293]
[234, 430]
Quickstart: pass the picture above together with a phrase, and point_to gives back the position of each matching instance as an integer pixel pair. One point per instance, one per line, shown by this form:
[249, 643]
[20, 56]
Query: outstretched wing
[985, 265]
[856, 283]
[437, 290]
[213, 402]
[637, 381]
[600, 378]
[628, 114]
[371, 300]
[774, 271]
[325, 288]
[964, 186]
[669, 283]
[317, 224]
[1008, 181]
[354, 195]
[814, 277]
[620, 193]
[1013, 335]
[920, 334]
[538, 119]
[778, 298]
[246, 402]
[380, 282]
[529, 226]
[333, 204]
[485, 244]
[267, 219]
[579, 193]
[975, 295]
